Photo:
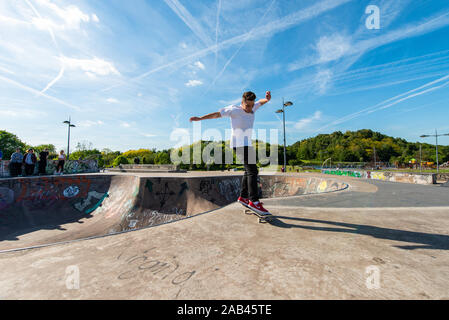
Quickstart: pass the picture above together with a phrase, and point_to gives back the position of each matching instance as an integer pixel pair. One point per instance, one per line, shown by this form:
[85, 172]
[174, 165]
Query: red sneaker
[243, 201]
[257, 206]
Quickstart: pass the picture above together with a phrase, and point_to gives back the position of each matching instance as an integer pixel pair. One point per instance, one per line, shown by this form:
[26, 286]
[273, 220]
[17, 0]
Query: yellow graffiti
[378, 176]
[322, 187]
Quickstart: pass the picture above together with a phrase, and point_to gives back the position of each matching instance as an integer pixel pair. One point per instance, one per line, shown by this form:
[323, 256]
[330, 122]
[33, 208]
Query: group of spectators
[25, 164]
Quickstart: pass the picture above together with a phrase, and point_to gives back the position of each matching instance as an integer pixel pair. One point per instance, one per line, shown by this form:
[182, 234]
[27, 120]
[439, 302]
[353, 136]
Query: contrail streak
[239, 48]
[396, 99]
[265, 31]
[26, 88]
[216, 33]
[189, 20]
[61, 71]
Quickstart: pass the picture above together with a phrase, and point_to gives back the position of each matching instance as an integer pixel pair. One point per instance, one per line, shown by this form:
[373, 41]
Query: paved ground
[376, 240]
[388, 194]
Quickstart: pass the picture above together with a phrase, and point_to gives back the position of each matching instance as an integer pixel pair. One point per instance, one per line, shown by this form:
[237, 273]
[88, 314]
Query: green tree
[162, 158]
[9, 142]
[120, 160]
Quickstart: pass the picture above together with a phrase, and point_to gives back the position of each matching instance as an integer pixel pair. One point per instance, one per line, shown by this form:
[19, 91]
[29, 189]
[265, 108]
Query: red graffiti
[51, 188]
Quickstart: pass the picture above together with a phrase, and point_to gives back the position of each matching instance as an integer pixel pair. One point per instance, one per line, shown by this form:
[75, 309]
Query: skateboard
[262, 218]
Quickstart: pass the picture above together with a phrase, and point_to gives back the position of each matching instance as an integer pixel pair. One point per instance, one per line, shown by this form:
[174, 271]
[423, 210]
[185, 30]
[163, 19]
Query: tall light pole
[436, 135]
[70, 125]
[420, 157]
[284, 104]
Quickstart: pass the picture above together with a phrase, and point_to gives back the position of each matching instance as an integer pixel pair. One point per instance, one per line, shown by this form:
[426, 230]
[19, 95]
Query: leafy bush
[120, 160]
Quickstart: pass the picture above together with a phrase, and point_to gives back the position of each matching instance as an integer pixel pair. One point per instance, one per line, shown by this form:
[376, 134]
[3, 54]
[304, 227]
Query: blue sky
[130, 73]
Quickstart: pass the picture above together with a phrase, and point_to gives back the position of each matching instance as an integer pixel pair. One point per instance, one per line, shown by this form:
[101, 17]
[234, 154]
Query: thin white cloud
[332, 47]
[230, 102]
[125, 124]
[331, 50]
[199, 65]
[90, 123]
[95, 18]
[12, 21]
[112, 100]
[323, 78]
[95, 66]
[71, 15]
[306, 122]
[22, 113]
[194, 83]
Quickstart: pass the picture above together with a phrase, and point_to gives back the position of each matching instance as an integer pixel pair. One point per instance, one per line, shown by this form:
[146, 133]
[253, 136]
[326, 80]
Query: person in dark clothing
[136, 160]
[15, 165]
[43, 161]
[242, 120]
[29, 160]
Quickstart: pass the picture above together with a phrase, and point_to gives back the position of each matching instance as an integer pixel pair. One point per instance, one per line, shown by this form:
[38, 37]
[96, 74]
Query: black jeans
[42, 167]
[29, 169]
[15, 169]
[249, 188]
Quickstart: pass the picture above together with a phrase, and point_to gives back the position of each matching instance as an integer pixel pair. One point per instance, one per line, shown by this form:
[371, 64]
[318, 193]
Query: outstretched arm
[267, 98]
[214, 115]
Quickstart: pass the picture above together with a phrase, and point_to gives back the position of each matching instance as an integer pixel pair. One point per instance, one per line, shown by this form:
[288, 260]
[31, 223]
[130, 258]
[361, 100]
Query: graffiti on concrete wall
[230, 188]
[355, 174]
[46, 192]
[405, 177]
[89, 204]
[6, 197]
[378, 176]
[74, 166]
[50, 188]
[71, 191]
[4, 169]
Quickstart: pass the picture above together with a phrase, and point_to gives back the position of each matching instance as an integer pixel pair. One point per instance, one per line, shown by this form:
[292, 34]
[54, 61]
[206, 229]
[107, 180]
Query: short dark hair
[250, 96]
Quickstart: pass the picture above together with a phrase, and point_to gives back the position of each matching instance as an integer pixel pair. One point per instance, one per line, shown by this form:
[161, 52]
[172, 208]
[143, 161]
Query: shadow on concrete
[13, 234]
[419, 239]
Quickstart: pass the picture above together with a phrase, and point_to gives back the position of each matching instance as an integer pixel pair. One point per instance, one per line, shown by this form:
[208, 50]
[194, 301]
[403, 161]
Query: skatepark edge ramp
[45, 210]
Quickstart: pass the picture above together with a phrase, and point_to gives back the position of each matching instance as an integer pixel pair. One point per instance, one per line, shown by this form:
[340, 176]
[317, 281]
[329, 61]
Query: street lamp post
[436, 135]
[420, 157]
[284, 104]
[70, 125]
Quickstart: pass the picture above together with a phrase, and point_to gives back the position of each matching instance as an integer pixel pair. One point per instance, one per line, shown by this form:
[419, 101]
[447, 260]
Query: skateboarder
[242, 120]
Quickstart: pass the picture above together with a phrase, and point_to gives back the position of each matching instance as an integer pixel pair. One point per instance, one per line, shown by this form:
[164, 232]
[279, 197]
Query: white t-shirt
[241, 123]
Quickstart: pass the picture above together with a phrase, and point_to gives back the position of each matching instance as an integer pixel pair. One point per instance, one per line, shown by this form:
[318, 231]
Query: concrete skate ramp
[41, 211]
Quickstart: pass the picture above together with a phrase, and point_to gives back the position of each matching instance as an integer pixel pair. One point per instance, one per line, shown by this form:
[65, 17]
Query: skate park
[126, 129]
[183, 236]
